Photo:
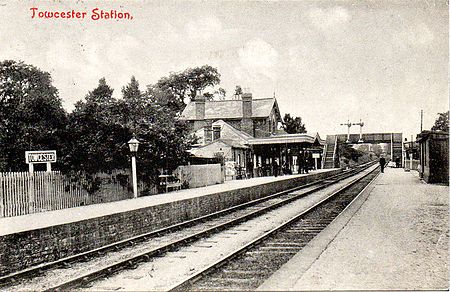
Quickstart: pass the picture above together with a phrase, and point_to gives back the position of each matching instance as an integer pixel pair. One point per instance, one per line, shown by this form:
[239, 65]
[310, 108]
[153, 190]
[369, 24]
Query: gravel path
[397, 240]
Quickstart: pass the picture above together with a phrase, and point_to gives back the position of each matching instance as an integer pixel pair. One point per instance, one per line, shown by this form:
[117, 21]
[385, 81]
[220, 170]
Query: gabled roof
[231, 143]
[208, 150]
[231, 109]
[227, 133]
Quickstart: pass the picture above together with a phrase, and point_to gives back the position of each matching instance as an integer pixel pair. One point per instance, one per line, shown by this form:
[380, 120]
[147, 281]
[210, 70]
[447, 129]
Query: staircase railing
[324, 155]
[334, 151]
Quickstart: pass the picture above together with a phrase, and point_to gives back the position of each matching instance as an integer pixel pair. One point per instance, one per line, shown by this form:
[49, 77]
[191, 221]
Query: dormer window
[216, 132]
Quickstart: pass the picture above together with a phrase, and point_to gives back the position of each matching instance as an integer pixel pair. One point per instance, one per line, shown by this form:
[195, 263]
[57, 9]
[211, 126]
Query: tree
[101, 94]
[238, 91]
[293, 125]
[221, 93]
[102, 126]
[31, 113]
[131, 91]
[100, 142]
[177, 89]
[128, 109]
[164, 139]
[377, 149]
[348, 155]
[164, 143]
[218, 94]
[441, 123]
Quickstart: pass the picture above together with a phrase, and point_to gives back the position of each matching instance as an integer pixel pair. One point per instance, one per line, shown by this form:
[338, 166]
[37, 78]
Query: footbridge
[331, 159]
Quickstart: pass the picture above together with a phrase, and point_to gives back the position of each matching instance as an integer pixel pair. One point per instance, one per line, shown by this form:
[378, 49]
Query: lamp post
[134, 145]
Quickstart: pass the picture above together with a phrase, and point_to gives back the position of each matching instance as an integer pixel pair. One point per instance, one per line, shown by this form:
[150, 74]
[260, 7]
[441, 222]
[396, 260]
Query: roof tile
[230, 109]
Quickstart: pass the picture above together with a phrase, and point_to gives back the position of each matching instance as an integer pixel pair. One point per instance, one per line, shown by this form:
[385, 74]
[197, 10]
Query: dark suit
[382, 163]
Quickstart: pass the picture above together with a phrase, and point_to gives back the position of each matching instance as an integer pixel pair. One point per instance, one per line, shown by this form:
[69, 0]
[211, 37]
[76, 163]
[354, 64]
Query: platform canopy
[288, 139]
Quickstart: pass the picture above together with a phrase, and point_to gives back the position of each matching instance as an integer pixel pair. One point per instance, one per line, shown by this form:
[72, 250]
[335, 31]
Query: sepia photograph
[224, 145]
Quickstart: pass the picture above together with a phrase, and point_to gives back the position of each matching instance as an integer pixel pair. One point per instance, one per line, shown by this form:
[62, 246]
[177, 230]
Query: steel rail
[116, 246]
[185, 284]
[147, 255]
[11, 278]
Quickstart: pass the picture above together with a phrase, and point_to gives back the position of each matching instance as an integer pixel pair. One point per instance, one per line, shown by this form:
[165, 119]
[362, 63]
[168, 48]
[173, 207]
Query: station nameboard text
[40, 156]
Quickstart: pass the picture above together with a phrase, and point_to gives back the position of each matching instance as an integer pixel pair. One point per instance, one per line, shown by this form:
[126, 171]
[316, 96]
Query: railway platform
[393, 237]
[10, 225]
[36, 239]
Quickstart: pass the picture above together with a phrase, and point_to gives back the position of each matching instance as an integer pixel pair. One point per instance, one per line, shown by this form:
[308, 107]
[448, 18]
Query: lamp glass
[134, 145]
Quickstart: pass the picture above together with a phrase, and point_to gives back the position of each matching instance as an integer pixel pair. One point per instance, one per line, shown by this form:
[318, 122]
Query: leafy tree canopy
[131, 91]
[178, 88]
[441, 123]
[101, 94]
[348, 152]
[102, 126]
[377, 149]
[293, 125]
[238, 91]
[31, 113]
[93, 137]
[99, 141]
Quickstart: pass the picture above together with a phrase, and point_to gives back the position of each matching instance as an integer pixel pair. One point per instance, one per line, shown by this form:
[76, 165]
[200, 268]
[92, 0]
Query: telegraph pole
[421, 120]
[348, 124]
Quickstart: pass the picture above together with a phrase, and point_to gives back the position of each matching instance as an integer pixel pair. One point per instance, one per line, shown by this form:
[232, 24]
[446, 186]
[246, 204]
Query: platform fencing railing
[22, 193]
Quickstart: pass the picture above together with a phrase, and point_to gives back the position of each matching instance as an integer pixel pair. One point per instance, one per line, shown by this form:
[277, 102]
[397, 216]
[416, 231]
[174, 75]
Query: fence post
[2, 196]
[31, 193]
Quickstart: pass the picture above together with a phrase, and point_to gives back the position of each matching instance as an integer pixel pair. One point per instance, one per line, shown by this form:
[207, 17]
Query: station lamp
[134, 145]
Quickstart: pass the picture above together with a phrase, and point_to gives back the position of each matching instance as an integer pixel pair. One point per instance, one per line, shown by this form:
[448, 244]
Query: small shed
[433, 156]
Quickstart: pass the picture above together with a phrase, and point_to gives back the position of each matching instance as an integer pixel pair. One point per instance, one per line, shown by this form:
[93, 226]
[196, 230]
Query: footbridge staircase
[331, 159]
[331, 149]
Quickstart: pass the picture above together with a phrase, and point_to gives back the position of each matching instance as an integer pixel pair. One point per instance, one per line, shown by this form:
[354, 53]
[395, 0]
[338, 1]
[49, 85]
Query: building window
[216, 132]
[207, 134]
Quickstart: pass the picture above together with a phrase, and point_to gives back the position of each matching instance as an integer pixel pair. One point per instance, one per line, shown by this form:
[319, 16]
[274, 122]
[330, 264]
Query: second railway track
[249, 266]
[199, 229]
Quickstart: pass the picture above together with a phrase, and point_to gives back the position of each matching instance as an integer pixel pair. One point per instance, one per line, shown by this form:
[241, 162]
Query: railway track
[201, 228]
[249, 266]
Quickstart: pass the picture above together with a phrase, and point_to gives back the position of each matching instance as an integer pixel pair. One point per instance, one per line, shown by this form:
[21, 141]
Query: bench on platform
[168, 182]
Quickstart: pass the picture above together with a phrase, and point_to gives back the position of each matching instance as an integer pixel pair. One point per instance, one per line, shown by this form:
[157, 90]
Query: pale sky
[326, 61]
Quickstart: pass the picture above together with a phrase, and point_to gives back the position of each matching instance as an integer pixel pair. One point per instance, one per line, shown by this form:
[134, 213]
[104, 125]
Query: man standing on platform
[300, 162]
[306, 162]
[382, 163]
[275, 168]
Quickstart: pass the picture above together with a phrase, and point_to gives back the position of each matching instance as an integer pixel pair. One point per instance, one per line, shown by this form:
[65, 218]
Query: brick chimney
[247, 122]
[199, 107]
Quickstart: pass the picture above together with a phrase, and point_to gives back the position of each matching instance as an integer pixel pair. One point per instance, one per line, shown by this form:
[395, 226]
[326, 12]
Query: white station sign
[46, 156]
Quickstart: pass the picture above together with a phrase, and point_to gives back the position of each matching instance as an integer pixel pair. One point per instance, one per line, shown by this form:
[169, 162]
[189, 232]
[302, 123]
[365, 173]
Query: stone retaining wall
[29, 248]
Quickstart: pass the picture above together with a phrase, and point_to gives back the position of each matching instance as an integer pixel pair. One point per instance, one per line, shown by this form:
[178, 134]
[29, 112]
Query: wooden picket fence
[22, 193]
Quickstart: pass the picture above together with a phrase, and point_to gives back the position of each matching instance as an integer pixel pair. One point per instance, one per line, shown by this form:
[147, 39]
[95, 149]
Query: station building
[246, 131]
[433, 164]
